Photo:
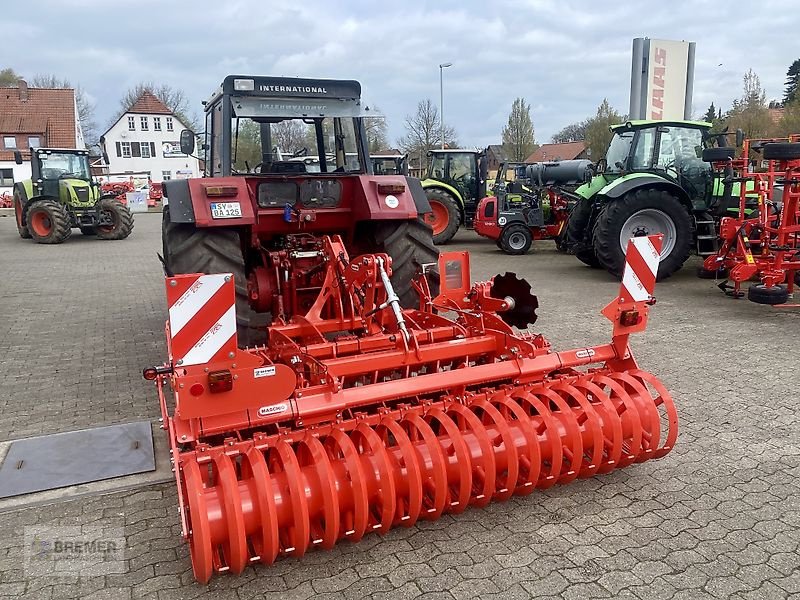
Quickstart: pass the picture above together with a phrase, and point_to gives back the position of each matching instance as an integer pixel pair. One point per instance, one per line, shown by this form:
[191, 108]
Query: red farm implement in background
[358, 415]
[6, 200]
[762, 241]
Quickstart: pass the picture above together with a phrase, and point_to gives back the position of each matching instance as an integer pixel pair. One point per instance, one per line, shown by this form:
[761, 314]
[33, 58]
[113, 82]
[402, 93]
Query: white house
[145, 139]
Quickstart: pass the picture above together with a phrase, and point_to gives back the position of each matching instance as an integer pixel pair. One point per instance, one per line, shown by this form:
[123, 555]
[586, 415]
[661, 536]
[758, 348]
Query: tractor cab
[671, 150]
[510, 182]
[389, 164]
[61, 173]
[455, 183]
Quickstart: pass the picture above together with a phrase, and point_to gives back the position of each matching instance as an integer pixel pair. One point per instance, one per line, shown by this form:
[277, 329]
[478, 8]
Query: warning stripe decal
[213, 341]
[192, 300]
[641, 268]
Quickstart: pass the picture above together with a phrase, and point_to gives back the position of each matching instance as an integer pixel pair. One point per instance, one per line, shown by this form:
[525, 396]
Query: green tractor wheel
[48, 222]
[24, 233]
[115, 220]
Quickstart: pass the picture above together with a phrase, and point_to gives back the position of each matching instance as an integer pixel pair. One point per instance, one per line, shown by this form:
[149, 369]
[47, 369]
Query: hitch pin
[392, 300]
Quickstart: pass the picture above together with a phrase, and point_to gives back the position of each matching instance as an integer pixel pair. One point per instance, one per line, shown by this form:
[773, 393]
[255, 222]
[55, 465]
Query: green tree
[518, 138]
[792, 82]
[749, 113]
[711, 114]
[573, 132]
[86, 108]
[9, 77]
[790, 122]
[598, 135]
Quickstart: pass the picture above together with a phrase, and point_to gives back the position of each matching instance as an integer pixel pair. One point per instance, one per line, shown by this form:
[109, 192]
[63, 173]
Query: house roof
[565, 151]
[45, 111]
[149, 104]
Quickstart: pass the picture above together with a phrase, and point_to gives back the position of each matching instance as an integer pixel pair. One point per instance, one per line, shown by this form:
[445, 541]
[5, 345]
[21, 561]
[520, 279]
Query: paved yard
[717, 518]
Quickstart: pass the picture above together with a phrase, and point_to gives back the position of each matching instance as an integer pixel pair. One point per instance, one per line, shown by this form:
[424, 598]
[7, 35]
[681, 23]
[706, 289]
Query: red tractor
[254, 214]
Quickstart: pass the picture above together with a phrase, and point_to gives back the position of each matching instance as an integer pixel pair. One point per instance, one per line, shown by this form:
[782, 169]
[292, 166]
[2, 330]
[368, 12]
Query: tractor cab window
[461, 167]
[643, 153]
[679, 146]
[58, 165]
[436, 166]
[618, 151]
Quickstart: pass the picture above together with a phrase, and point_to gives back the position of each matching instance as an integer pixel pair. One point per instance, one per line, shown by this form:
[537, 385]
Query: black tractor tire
[48, 221]
[577, 224]
[88, 230]
[718, 154]
[703, 273]
[121, 217]
[607, 229]
[410, 244]
[453, 211]
[22, 229]
[761, 294]
[516, 239]
[782, 151]
[191, 249]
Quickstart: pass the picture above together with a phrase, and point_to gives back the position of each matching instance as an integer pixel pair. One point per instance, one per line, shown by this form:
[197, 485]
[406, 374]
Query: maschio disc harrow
[318, 438]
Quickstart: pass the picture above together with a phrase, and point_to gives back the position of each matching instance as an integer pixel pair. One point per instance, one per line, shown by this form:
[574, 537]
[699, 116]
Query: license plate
[226, 210]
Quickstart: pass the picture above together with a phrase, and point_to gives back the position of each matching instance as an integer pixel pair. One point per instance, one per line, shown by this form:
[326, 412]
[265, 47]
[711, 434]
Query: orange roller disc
[628, 412]
[385, 490]
[254, 468]
[296, 535]
[340, 447]
[434, 481]
[408, 509]
[310, 452]
[200, 531]
[548, 429]
[665, 398]
[589, 465]
[531, 459]
[572, 445]
[612, 447]
[505, 485]
[647, 411]
[235, 550]
[458, 495]
[483, 487]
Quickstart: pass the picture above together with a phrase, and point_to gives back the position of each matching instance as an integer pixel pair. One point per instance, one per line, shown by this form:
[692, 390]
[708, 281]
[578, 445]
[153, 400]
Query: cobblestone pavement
[717, 518]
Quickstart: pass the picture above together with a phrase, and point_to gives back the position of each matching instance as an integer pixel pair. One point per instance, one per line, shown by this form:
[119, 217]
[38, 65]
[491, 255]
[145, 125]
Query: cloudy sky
[563, 57]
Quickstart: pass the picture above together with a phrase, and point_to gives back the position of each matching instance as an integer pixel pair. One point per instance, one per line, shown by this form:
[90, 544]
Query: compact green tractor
[654, 179]
[61, 195]
[455, 183]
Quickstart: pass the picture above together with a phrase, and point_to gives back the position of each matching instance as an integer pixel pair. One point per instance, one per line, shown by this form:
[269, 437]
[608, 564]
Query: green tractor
[654, 179]
[455, 183]
[61, 195]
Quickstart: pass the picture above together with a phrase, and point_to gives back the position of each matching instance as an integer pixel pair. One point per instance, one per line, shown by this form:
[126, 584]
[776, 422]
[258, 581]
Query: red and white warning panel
[641, 268]
[202, 318]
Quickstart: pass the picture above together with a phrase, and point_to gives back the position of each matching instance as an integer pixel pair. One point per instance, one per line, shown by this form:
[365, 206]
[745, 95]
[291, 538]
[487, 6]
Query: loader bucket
[321, 437]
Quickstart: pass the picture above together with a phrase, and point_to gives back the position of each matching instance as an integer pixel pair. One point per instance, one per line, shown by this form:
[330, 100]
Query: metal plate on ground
[53, 461]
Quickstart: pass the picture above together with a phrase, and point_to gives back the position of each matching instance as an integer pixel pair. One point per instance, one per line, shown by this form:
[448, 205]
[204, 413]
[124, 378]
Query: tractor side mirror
[187, 141]
[18, 157]
[739, 137]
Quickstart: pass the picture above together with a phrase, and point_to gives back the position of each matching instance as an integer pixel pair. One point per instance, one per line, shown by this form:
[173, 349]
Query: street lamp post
[442, 67]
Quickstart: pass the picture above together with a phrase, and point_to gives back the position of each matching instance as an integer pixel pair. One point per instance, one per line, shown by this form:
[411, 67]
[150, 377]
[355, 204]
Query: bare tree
[173, 98]
[9, 77]
[749, 113]
[86, 109]
[518, 138]
[574, 132]
[377, 130]
[289, 136]
[423, 132]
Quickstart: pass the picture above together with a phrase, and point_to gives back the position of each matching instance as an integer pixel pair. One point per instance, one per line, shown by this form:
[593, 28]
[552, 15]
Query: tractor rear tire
[410, 244]
[48, 222]
[516, 239]
[577, 224]
[446, 216]
[24, 233]
[121, 217]
[616, 214]
[191, 249]
[761, 294]
[782, 151]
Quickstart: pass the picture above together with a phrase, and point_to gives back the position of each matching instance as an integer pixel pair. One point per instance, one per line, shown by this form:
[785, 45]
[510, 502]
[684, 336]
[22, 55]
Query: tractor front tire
[120, 217]
[19, 215]
[516, 239]
[643, 212]
[577, 224]
[190, 249]
[48, 222]
[761, 294]
[445, 217]
[410, 244]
